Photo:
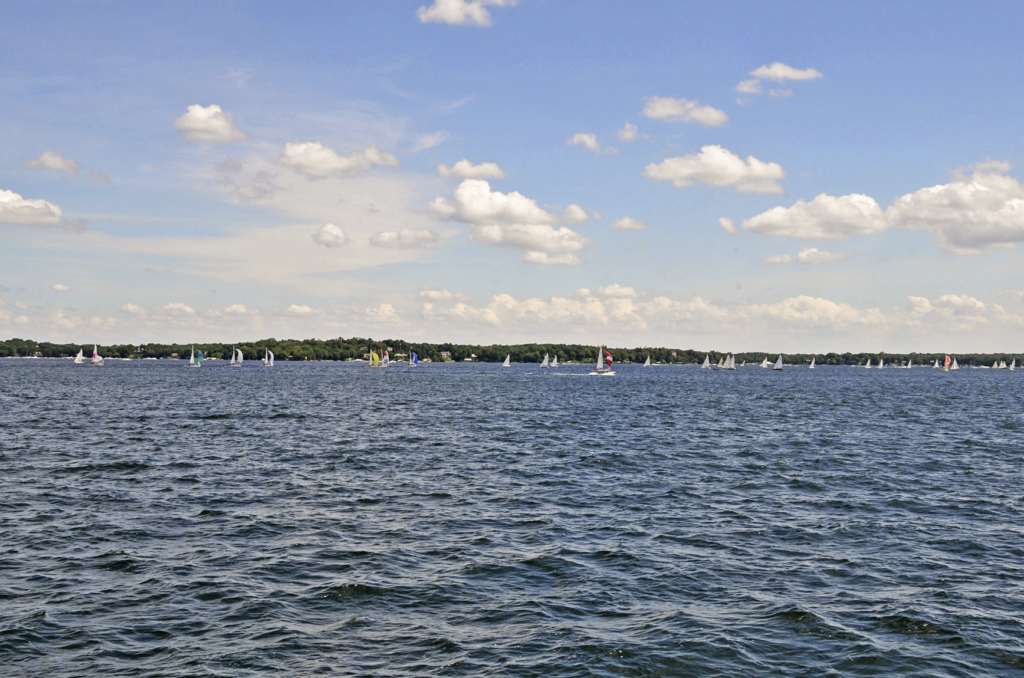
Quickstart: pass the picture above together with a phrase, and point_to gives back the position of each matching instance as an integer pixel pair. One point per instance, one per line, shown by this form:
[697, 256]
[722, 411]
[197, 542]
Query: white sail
[96, 359]
[234, 357]
[707, 363]
[80, 358]
[268, 358]
[765, 364]
[598, 365]
[956, 365]
[936, 365]
[743, 364]
[1002, 364]
[778, 363]
[1013, 365]
[812, 363]
[192, 358]
[910, 363]
[730, 363]
[647, 363]
[721, 363]
[508, 361]
[240, 356]
[881, 364]
[995, 365]
[868, 366]
[554, 362]
[545, 363]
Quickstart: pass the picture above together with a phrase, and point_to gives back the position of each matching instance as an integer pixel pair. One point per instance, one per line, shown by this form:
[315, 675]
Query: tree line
[357, 348]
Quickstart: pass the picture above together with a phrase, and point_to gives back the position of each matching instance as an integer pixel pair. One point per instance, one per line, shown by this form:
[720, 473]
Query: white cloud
[778, 259]
[749, 86]
[683, 110]
[383, 314]
[464, 169]
[55, 161]
[629, 224]
[313, 159]
[628, 132]
[425, 141]
[587, 140]
[574, 214]
[780, 93]
[616, 291]
[99, 177]
[209, 125]
[717, 166]
[405, 238]
[545, 259]
[236, 309]
[133, 309]
[330, 235]
[436, 294]
[825, 217]
[970, 214]
[179, 307]
[461, 12]
[727, 224]
[61, 287]
[529, 237]
[475, 203]
[15, 209]
[806, 311]
[297, 309]
[780, 72]
[812, 255]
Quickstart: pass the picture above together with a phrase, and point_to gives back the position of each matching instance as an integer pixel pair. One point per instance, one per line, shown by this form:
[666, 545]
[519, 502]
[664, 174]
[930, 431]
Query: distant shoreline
[357, 348]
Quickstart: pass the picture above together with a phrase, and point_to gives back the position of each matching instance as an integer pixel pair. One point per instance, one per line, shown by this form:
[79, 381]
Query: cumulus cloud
[529, 237]
[628, 132]
[313, 159]
[545, 259]
[179, 307]
[236, 309]
[616, 291]
[780, 72]
[298, 309]
[99, 177]
[779, 259]
[589, 141]
[727, 224]
[383, 314]
[406, 238]
[825, 217]
[717, 166]
[133, 309]
[15, 209]
[971, 214]
[629, 224]
[683, 110]
[809, 311]
[460, 12]
[61, 287]
[329, 236]
[812, 255]
[749, 86]
[209, 125]
[464, 169]
[435, 294]
[425, 141]
[55, 161]
[574, 214]
[475, 203]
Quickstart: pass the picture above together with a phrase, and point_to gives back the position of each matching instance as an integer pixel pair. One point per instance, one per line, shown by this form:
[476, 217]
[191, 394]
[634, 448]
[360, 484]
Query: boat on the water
[647, 363]
[603, 367]
[508, 361]
[707, 363]
[545, 364]
[193, 361]
[812, 363]
[268, 358]
[778, 364]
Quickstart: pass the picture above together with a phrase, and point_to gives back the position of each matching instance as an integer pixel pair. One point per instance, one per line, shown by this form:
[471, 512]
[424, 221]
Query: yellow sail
[374, 359]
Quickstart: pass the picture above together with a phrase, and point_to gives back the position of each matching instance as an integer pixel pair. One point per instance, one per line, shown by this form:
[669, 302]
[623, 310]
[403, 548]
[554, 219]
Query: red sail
[948, 361]
[607, 358]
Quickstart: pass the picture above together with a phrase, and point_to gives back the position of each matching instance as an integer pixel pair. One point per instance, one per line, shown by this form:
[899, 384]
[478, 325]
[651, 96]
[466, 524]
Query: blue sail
[415, 359]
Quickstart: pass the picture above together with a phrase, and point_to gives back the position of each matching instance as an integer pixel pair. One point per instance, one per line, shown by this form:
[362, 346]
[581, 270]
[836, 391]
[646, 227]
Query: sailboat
[603, 367]
[236, 357]
[545, 364]
[386, 360]
[1002, 365]
[730, 363]
[80, 358]
[765, 364]
[508, 361]
[721, 363]
[778, 364]
[881, 364]
[1013, 365]
[945, 364]
[936, 366]
[647, 363]
[956, 365]
[96, 361]
[268, 358]
[910, 363]
[743, 364]
[414, 360]
[554, 361]
[374, 359]
[707, 363]
[192, 361]
[812, 363]
[995, 365]
[868, 366]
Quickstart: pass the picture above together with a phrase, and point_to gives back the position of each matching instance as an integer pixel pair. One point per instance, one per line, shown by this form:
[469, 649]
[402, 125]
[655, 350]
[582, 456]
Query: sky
[786, 176]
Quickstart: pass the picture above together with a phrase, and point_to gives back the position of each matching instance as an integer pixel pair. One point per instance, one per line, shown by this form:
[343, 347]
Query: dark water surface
[468, 520]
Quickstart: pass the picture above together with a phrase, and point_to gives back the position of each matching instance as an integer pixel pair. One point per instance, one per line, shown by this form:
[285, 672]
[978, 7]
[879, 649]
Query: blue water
[455, 520]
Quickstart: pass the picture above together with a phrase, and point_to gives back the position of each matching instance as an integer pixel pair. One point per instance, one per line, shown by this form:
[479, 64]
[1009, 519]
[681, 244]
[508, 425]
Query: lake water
[450, 520]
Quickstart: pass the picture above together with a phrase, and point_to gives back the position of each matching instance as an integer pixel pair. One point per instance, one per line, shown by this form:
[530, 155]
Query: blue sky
[131, 209]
